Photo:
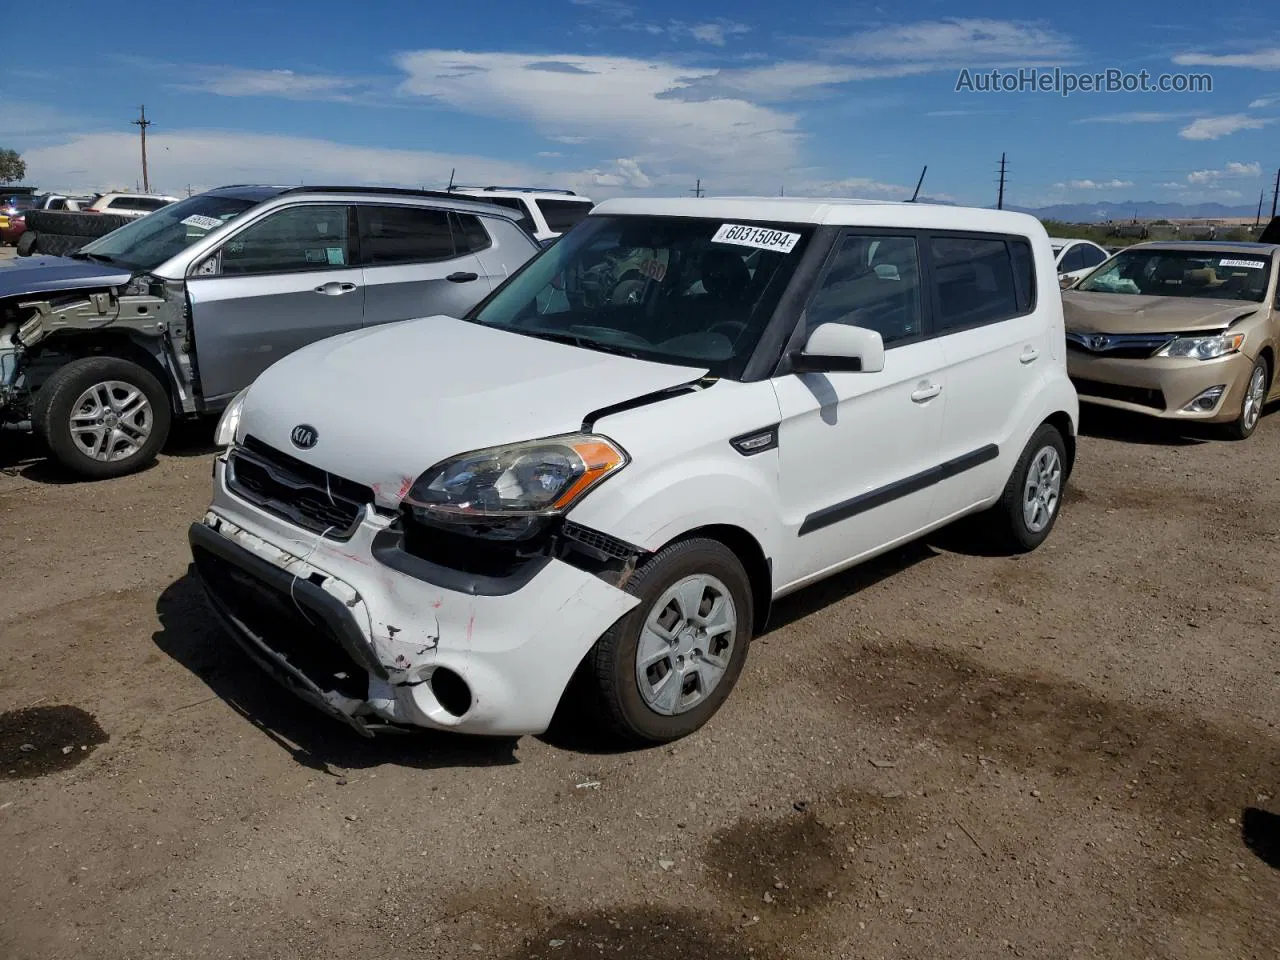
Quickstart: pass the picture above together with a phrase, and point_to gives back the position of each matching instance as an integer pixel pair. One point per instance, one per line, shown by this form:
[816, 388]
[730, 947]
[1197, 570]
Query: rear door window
[391, 235]
[1091, 255]
[973, 282]
[469, 234]
[307, 237]
[1073, 260]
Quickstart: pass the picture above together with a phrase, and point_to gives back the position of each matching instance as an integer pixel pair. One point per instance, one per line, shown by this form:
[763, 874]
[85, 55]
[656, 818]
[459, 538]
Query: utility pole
[451, 173]
[1257, 221]
[1000, 195]
[142, 123]
[697, 190]
[189, 190]
[1274, 194]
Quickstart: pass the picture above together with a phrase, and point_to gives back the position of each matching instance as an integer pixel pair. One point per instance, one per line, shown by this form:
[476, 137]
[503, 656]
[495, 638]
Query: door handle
[926, 393]
[335, 289]
[1029, 355]
[462, 277]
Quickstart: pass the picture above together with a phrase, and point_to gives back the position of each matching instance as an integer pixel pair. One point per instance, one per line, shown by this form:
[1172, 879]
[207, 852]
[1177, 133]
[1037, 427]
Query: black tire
[58, 245]
[1010, 528]
[65, 223]
[52, 410]
[26, 244]
[1243, 426]
[611, 663]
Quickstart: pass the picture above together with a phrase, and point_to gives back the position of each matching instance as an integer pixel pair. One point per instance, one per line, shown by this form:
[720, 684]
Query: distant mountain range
[1142, 209]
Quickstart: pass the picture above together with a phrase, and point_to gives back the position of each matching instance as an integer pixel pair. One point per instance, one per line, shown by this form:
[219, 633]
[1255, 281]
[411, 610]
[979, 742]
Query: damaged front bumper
[378, 647]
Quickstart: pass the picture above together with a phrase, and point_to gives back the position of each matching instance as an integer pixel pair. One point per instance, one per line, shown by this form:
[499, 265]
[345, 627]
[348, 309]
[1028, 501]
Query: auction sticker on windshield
[761, 238]
[204, 223]
[1247, 264]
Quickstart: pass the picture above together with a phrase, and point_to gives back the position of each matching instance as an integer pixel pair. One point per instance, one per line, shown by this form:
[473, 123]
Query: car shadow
[192, 637]
[1106, 423]
[22, 454]
[1260, 831]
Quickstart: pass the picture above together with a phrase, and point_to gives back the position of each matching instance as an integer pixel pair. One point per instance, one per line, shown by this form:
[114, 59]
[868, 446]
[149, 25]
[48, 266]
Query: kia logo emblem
[304, 436]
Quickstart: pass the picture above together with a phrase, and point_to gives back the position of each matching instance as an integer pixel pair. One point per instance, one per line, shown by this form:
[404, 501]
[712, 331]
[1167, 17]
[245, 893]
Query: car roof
[461, 204]
[826, 211]
[537, 193]
[1209, 246]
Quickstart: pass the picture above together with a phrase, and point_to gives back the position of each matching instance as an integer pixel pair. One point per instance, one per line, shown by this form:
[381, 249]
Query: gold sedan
[1179, 330]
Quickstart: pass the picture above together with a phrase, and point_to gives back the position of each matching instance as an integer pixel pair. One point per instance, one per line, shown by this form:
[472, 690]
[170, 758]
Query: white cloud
[1214, 128]
[549, 153]
[1093, 185]
[626, 173]
[1267, 59]
[1263, 102]
[854, 187]
[208, 158]
[971, 41]
[1172, 185]
[1232, 169]
[284, 84]
[624, 100]
[714, 33]
[1137, 116]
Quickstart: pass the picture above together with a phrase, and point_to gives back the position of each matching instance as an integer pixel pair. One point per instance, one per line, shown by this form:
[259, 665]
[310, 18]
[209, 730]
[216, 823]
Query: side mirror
[1066, 281]
[838, 348]
[208, 267]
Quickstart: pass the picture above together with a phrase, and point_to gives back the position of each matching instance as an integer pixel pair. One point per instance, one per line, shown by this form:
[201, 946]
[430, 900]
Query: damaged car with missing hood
[171, 315]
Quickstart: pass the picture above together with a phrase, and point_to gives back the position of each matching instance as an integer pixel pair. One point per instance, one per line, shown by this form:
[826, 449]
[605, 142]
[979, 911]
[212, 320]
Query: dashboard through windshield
[688, 291]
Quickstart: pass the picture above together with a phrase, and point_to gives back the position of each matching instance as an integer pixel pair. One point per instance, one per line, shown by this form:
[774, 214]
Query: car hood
[24, 276]
[388, 402]
[1127, 313]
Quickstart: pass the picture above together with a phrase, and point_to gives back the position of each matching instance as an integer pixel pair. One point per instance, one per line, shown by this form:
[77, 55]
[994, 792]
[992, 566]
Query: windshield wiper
[585, 343]
[96, 258]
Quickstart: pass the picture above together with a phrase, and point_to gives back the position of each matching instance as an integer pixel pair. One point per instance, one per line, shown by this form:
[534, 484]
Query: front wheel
[1028, 508]
[1255, 396]
[102, 416]
[666, 667]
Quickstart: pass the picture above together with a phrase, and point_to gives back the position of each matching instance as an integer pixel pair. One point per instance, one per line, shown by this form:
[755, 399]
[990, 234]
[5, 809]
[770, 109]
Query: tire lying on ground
[66, 223]
[27, 244]
[52, 244]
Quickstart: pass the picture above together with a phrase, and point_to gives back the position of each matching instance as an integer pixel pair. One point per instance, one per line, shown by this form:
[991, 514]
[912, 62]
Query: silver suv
[172, 315]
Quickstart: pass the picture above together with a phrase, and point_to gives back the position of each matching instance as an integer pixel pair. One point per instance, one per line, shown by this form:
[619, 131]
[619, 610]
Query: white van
[614, 464]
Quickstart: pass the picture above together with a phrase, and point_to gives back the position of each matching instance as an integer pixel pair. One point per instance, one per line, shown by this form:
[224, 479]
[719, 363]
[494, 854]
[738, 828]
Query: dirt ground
[941, 754]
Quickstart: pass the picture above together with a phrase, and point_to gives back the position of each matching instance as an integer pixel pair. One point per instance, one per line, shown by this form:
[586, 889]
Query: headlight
[505, 492]
[225, 433]
[1203, 348]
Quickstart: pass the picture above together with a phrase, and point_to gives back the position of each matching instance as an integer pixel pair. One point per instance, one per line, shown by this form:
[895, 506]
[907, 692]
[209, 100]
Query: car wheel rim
[686, 644]
[111, 421]
[1043, 489]
[1254, 397]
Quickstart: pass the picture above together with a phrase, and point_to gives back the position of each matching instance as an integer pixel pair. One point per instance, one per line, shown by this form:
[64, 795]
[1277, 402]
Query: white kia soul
[611, 467]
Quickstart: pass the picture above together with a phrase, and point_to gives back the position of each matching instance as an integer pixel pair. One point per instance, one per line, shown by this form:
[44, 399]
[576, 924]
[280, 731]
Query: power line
[142, 123]
[1000, 195]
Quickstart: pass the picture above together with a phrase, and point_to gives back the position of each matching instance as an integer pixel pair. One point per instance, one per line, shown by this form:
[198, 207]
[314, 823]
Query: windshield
[685, 291]
[1184, 273]
[151, 240]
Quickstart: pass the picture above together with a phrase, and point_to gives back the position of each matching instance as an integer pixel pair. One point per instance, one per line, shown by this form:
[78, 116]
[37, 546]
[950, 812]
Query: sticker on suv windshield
[761, 238]
[1247, 264]
[204, 223]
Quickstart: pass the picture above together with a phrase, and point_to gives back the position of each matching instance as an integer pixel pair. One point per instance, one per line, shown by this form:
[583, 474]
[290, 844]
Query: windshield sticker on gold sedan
[1247, 264]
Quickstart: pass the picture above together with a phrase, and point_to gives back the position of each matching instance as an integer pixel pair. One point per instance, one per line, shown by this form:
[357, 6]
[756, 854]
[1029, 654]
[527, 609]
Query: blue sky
[615, 96]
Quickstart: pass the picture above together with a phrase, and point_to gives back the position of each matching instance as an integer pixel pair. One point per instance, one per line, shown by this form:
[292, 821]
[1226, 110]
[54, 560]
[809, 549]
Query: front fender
[684, 472]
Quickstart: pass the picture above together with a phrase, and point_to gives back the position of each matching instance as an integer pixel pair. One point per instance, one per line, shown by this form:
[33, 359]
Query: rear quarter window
[979, 280]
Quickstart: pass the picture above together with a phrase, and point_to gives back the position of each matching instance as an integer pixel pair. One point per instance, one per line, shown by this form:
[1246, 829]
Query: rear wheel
[102, 416]
[666, 667]
[1028, 508]
[1255, 396]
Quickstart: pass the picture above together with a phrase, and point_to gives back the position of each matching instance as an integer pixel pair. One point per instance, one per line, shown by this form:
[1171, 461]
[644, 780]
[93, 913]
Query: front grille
[304, 640]
[1114, 391]
[295, 491]
[1119, 346]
